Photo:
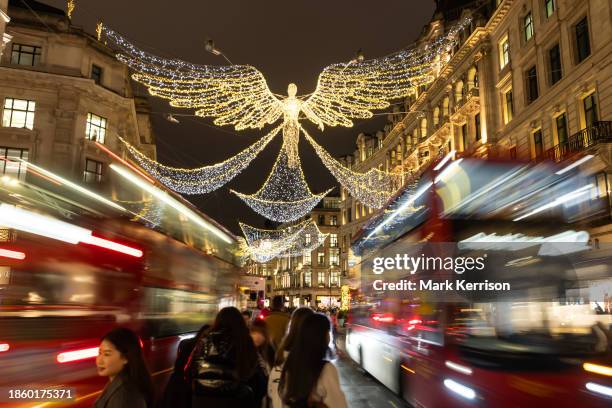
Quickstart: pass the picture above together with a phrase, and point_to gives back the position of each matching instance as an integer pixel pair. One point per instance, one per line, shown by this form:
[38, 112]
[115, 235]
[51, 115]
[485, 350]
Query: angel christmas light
[238, 95]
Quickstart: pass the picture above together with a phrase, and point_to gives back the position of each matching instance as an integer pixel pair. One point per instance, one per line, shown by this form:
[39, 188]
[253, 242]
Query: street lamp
[171, 118]
[210, 47]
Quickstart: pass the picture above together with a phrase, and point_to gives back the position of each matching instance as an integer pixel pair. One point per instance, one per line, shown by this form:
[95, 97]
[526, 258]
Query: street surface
[361, 389]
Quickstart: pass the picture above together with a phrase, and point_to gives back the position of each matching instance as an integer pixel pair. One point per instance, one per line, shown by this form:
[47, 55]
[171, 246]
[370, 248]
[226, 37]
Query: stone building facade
[4, 19]
[62, 91]
[530, 80]
[314, 278]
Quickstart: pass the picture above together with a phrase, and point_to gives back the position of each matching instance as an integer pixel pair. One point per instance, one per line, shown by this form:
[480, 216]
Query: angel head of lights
[238, 95]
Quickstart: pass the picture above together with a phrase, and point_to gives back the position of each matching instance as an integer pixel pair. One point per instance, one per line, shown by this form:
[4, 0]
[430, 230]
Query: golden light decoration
[285, 195]
[204, 179]
[263, 245]
[238, 95]
[70, 5]
[373, 188]
[99, 28]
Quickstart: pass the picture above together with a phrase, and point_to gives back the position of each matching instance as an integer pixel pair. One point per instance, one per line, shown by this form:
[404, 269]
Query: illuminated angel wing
[354, 90]
[234, 95]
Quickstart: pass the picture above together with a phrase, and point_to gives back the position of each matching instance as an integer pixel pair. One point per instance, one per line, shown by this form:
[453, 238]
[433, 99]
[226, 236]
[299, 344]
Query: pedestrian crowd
[277, 360]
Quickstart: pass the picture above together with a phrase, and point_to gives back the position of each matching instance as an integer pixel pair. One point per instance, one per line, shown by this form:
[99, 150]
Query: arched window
[446, 107]
[424, 128]
[415, 136]
[459, 92]
[436, 116]
[472, 78]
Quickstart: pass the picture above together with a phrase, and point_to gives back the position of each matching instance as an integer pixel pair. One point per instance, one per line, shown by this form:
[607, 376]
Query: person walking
[261, 339]
[308, 378]
[178, 390]
[277, 321]
[223, 368]
[297, 318]
[120, 359]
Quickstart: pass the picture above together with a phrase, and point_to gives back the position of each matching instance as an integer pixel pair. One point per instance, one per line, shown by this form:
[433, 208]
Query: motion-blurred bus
[75, 263]
[544, 342]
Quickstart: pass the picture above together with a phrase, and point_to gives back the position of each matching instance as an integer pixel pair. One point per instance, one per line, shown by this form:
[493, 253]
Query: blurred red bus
[59, 295]
[536, 344]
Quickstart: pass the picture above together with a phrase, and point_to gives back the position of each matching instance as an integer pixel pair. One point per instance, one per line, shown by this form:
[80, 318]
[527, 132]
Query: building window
[334, 278]
[590, 110]
[321, 279]
[508, 106]
[504, 52]
[307, 279]
[333, 220]
[556, 71]
[583, 44]
[334, 257]
[10, 165]
[307, 239]
[306, 259]
[532, 84]
[18, 113]
[321, 220]
[549, 7]
[96, 128]
[333, 240]
[477, 123]
[528, 26]
[561, 122]
[458, 94]
[96, 74]
[464, 136]
[25, 55]
[512, 152]
[321, 258]
[93, 171]
[537, 143]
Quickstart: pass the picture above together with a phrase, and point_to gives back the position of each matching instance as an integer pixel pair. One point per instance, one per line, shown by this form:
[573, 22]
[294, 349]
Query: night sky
[287, 40]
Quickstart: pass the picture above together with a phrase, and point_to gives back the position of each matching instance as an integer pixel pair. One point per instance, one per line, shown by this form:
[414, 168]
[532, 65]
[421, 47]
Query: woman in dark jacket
[120, 359]
[178, 391]
[224, 369]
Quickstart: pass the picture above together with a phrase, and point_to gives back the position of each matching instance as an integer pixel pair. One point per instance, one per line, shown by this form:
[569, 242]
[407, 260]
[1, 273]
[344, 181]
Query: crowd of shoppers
[276, 361]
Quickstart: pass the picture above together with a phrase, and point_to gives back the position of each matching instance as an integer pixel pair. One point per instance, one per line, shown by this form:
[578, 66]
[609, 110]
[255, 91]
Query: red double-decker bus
[546, 341]
[75, 263]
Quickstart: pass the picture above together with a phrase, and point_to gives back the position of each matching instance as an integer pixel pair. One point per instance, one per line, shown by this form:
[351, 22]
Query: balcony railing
[599, 132]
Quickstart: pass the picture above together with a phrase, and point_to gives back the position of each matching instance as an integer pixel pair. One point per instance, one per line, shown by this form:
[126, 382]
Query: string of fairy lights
[238, 95]
[204, 179]
[264, 245]
[372, 188]
[285, 195]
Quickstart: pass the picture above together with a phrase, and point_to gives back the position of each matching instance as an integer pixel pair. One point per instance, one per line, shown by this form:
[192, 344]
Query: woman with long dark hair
[178, 389]
[120, 359]
[308, 379]
[224, 368]
[297, 318]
